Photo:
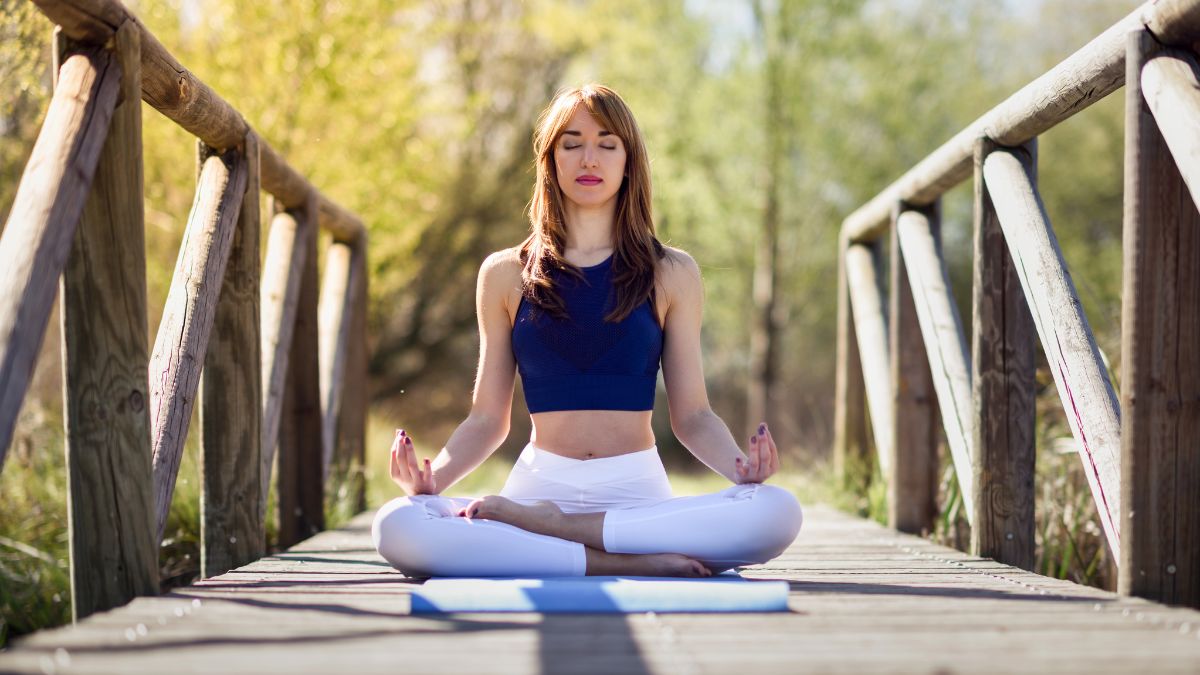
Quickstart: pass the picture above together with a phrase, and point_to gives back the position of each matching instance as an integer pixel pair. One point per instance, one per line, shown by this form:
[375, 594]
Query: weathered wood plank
[945, 345]
[231, 527]
[335, 316]
[850, 434]
[1003, 388]
[1171, 88]
[188, 101]
[1091, 73]
[1160, 354]
[301, 479]
[41, 224]
[1079, 373]
[864, 280]
[187, 319]
[283, 269]
[105, 353]
[913, 483]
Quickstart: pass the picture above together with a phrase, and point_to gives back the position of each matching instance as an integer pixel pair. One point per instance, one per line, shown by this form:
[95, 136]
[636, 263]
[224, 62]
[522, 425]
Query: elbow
[494, 428]
[684, 425]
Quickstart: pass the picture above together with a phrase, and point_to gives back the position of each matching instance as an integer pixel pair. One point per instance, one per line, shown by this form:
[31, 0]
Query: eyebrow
[572, 132]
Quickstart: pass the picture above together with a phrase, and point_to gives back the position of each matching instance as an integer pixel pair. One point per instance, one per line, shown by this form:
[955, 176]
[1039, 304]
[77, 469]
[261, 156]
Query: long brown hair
[637, 249]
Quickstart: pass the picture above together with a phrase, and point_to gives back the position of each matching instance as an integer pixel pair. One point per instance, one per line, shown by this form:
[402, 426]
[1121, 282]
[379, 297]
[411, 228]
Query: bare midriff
[592, 434]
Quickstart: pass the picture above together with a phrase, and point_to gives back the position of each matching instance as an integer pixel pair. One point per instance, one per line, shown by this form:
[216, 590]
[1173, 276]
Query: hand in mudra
[762, 458]
[413, 477]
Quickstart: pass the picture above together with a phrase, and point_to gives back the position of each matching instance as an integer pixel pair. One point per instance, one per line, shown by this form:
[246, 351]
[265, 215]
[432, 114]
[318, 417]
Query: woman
[585, 308]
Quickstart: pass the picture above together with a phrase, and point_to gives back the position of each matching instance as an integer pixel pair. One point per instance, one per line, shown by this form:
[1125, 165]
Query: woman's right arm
[486, 427]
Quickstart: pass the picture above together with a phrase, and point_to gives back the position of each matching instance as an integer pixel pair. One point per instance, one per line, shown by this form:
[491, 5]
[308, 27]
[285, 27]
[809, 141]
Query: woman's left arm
[693, 421]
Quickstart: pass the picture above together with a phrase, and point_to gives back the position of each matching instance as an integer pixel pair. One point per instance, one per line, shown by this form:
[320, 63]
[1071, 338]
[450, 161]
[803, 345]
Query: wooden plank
[1160, 356]
[105, 353]
[41, 224]
[301, 481]
[1171, 88]
[945, 345]
[1002, 374]
[187, 319]
[335, 315]
[231, 527]
[913, 483]
[184, 98]
[1079, 373]
[851, 438]
[283, 270]
[1091, 73]
[864, 281]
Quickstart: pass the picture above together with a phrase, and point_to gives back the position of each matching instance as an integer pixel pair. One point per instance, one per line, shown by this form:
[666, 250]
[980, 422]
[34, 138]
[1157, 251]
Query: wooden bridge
[277, 358]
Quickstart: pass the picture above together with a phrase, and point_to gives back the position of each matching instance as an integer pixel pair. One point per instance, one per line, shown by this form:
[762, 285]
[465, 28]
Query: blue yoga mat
[723, 593]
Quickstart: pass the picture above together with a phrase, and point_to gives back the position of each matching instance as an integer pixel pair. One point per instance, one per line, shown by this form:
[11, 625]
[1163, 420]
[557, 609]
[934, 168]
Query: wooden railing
[270, 369]
[903, 351]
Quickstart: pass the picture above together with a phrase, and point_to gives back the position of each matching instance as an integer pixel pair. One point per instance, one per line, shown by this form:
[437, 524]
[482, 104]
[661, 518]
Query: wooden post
[283, 270]
[1079, 373]
[1002, 374]
[864, 280]
[913, 483]
[945, 344]
[851, 444]
[1160, 359]
[41, 224]
[231, 527]
[182, 340]
[110, 505]
[335, 318]
[356, 395]
[301, 484]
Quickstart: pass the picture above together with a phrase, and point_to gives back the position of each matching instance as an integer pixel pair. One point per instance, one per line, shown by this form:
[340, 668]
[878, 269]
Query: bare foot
[542, 517]
[646, 565]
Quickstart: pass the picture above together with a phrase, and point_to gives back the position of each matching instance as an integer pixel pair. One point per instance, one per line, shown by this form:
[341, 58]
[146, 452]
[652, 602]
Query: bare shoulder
[502, 269]
[679, 275]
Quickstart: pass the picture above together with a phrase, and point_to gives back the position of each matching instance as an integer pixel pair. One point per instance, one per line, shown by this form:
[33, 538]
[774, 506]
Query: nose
[589, 156]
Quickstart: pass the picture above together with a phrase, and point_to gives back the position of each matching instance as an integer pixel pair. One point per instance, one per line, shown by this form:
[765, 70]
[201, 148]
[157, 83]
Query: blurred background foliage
[417, 115]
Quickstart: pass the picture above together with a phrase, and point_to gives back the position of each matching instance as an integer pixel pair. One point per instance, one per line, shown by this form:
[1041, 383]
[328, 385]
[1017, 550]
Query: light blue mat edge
[723, 593]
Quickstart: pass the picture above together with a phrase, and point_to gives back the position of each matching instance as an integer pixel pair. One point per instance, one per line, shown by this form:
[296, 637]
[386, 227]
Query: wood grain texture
[851, 437]
[865, 282]
[300, 486]
[177, 93]
[1003, 388]
[864, 599]
[110, 504]
[1094, 71]
[282, 272]
[1074, 360]
[335, 316]
[1171, 87]
[913, 483]
[187, 320]
[945, 344]
[231, 528]
[41, 223]
[1160, 358]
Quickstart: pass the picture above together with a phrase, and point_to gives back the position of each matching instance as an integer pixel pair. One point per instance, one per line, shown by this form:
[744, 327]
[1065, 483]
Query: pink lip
[589, 180]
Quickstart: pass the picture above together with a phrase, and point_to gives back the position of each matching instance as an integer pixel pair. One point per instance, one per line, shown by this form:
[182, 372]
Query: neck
[591, 228]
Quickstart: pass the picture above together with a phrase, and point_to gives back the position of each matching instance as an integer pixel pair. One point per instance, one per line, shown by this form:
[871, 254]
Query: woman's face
[590, 160]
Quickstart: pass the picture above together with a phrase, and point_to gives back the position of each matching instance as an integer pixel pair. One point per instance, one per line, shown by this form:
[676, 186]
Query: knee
[396, 533]
[779, 514]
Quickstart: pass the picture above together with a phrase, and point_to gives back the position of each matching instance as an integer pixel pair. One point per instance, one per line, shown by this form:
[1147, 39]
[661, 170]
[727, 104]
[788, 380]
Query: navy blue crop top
[587, 363]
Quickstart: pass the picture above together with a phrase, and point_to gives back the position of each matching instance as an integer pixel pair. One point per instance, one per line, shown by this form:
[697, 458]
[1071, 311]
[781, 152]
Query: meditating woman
[585, 308]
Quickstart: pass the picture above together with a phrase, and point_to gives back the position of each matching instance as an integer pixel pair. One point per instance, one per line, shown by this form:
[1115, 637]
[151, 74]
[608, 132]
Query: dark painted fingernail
[762, 429]
[754, 439]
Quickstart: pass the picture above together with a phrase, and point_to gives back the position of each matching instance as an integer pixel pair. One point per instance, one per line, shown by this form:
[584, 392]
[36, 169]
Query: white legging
[740, 525]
